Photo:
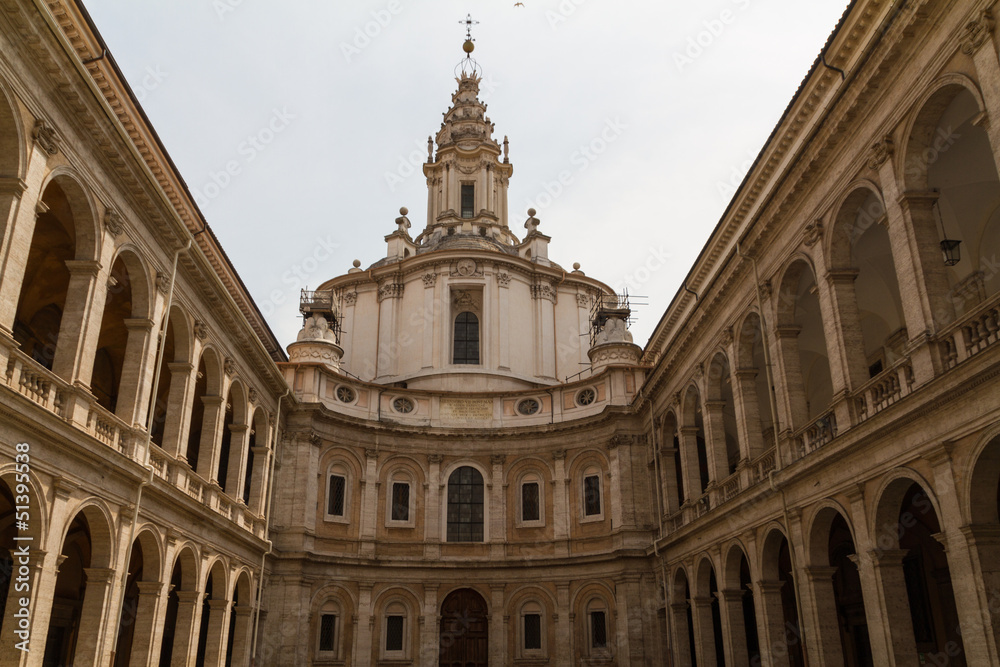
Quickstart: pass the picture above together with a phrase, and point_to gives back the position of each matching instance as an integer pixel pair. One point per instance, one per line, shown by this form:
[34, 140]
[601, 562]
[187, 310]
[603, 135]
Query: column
[432, 508]
[258, 483]
[136, 379]
[369, 509]
[925, 243]
[146, 622]
[15, 658]
[498, 639]
[689, 462]
[209, 450]
[980, 44]
[704, 634]
[977, 637]
[788, 384]
[176, 415]
[563, 650]
[825, 648]
[984, 546]
[77, 343]
[17, 227]
[236, 473]
[242, 636]
[681, 639]
[715, 441]
[560, 504]
[734, 635]
[878, 632]
[628, 603]
[895, 606]
[849, 343]
[771, 623]
[186, 631]
[430, 640]
[93, 619]
[496, 511]
[835, 353]
[504, 320]
[363, 629]
[748, 413]
[218, 633]
[668, 468]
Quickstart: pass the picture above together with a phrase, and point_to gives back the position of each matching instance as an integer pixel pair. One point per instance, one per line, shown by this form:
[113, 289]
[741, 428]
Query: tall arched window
[465, 505]
[466, 339]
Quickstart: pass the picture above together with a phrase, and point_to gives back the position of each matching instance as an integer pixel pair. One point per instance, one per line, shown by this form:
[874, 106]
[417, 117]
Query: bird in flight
[519, 4]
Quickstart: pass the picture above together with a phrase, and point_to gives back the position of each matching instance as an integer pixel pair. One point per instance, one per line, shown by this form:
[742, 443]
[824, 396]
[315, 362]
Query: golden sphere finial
[468, 47]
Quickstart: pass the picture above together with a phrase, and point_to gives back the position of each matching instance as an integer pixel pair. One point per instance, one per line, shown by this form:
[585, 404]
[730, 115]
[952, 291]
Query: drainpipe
[144, 454]
[267, 525]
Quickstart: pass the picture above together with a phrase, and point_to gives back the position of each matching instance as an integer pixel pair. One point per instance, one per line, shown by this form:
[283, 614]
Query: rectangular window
[338, 485]
[598, 630]
[592, 495]
[394, 633]
[532, 632]
[529, 501]
[468, 200]
[327, 632]
[400, 501]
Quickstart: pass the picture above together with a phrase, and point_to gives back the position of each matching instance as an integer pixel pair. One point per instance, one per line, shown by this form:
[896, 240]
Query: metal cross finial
[468, 26]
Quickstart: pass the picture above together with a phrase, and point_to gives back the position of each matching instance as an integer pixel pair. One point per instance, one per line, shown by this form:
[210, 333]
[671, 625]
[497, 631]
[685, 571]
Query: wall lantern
[949, 248]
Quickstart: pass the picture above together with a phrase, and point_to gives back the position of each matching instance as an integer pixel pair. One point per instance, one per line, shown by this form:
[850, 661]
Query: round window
[528, 406]
[586, 396]
[345, 394]
[402, 405]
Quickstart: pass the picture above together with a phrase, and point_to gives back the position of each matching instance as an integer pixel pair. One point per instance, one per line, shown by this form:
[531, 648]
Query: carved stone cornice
[390, 288]
[543, 291]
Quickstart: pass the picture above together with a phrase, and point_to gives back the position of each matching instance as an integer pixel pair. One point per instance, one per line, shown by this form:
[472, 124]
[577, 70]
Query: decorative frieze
[162, 282]
[466, 268]
[350, 298]
[583, 301]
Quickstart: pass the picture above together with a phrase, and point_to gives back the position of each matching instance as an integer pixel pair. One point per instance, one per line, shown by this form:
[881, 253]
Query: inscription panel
[467, 409]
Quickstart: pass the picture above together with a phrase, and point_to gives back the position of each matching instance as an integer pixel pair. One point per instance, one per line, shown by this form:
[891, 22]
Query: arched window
[465, 505]
[399, 501]
[591, 496]
[395, 632]
[532, 630]
[598, 624]
[531, 501]
[466, 338]
[329, 628]
[338, 497]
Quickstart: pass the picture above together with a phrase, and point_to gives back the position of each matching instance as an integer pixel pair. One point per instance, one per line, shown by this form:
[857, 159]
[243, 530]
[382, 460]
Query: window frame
[400, 476]
[598, 604]
[330, 607]
[395, 608]
[479, 339]
[590, 472]
[532, 608]
[465, 187]
[530, 478]
[338, 469]
[485, 503]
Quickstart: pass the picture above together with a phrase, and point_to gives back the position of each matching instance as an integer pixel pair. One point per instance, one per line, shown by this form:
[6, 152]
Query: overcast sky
[297, 123]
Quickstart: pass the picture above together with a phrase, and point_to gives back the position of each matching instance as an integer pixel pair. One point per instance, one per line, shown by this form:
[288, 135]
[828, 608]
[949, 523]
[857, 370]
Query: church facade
[464, 459]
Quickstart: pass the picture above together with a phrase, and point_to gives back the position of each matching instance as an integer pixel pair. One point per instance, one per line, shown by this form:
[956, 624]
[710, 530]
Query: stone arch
[78, 202]
[12, 136]
[782, 634]
[205, 404]
[866, 285]
[694, 445]
[983, 510]
[739, 607]
[914, 567]
[722, 420]
[139, 599]
[594, 605]
[950, 165]
[179, 628]
[684, 641]
[751, 377]
[802, 344]
[675, 493]
[240, 616]
[83, 583]
[255, 476]
[230, 472]
[332, 607]
[166, 409]
[707, 614]
[213, 631]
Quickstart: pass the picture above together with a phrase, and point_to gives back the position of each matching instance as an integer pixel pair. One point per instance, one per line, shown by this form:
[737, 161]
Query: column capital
[138, 324]
[13, 186]
[846, 275]
[99, 575]
[188, 597]
[184, 367]
[787, 331]
[149, 588]
[218, 604]
[888, 557]
[83, 267]
[209, 401]
[820, 573]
